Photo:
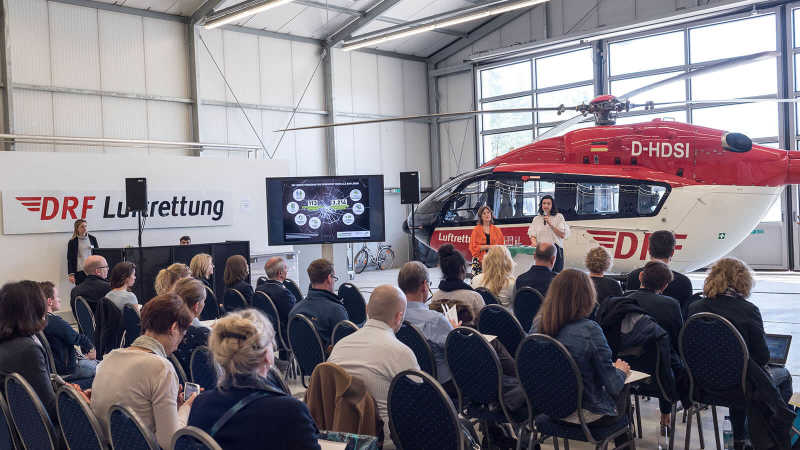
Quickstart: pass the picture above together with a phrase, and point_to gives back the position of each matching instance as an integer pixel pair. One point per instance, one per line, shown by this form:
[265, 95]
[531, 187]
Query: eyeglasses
[335, 278]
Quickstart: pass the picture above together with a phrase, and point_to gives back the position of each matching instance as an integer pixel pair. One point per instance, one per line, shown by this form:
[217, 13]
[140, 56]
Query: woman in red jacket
[484, 235]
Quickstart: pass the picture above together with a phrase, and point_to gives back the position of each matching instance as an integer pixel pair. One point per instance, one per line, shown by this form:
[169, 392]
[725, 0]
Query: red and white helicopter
[616, 184]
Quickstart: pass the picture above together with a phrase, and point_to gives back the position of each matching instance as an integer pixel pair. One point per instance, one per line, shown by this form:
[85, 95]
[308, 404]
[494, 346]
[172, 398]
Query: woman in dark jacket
[726, 289]
[78, 248]
[237, 277]
[22, 315]
[242, 344]
[598, 261]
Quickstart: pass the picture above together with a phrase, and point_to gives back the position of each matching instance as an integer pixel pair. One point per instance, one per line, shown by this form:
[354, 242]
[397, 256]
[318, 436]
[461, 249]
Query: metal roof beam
[371, 14]
[204, 10]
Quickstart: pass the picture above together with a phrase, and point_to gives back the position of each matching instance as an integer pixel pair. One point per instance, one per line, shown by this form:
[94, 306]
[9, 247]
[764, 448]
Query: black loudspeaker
[409, 187]
[136, 194]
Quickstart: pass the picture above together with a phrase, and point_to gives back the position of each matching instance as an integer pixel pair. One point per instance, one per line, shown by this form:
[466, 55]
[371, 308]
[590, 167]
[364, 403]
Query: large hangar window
[550, 80]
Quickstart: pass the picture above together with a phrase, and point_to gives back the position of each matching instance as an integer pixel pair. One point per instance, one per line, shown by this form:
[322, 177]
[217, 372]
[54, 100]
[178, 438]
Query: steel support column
[330, 106]
[433, 108]
[5, 77]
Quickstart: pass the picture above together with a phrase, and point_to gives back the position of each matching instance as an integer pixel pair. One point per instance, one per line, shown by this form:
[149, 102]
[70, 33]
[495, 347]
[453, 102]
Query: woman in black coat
[78, 249]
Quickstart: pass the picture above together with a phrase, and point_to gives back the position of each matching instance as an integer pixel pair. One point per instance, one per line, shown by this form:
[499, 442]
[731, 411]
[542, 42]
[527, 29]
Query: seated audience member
[237, 276]
[496, 276]
[598, 261]
[185, 240]
[276, 270]
[563, 316]
[414, 282]
[373, 353]
[653, 279]
[22, 315]
[322, 306]
[541, 272]
[63, 339]
[202, 268]
[194, 295]
[95, 286]
[726, 289]
[141, 377]
[661, 247]
[123, 276]
[453, 289]
[242, 344]
[166, 278]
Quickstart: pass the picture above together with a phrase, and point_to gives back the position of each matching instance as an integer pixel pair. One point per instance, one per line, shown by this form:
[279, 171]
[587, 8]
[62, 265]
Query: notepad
[635, 376]
[451, 313]
[795, 400]
[331, 445]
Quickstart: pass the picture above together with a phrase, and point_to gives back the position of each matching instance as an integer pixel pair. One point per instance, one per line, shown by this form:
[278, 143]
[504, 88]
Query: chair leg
[700, 429]
[688, 428]
[638, 416]
[566, 444]
[716, 426]
[673, 425]
[555, 443]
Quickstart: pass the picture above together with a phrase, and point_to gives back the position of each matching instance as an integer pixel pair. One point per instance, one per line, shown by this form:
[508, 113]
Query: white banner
[40, 211]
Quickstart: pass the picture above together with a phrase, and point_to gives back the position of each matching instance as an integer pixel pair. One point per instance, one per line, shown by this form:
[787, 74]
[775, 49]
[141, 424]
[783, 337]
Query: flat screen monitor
[315, 210]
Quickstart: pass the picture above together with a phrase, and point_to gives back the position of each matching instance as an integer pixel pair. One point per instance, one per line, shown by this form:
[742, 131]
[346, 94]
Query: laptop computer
[778, 345]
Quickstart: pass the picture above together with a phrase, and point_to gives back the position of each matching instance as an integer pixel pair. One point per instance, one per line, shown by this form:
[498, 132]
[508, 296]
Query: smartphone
[189, 389]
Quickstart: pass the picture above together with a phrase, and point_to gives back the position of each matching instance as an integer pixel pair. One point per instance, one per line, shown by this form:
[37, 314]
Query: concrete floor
[774, 293]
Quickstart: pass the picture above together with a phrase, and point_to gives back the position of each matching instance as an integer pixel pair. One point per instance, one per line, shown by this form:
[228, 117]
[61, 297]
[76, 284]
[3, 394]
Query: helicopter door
[516, 197]
[461, 208]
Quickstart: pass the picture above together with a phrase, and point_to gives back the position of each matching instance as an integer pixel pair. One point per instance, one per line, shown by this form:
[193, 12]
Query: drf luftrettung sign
[32, 211]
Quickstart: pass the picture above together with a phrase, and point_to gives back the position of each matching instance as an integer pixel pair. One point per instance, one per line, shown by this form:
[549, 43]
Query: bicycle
[383, 259]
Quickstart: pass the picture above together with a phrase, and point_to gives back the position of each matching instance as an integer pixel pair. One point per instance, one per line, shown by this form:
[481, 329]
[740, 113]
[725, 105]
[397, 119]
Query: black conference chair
[51, 361]
[555, 390]
[306, 345]
[85, 317]
[414, 339]
[716, 358]
[193, 438]
[354, 303]
[79, 426]
[202, 369]
[276, 378]
[179, 370]
[497, 321]
[293, 288]
[30, 419]
[438, 428]
[478, 377]
[127, 430]
[261, 280]
[341, 330]
[108, 333]
[131, 324]
[263, 302]
[488, 297]
[527, 302]
[8, 434]
[233, 300]
[211, 308]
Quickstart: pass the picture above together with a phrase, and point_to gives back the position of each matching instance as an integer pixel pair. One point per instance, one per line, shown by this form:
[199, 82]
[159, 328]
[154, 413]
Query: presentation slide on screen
[326, 210]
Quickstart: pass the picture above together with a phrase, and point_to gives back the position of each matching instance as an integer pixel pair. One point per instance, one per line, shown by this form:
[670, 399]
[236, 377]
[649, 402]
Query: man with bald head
[373, 353]
[541, 273]
[276, 270]
[95, 286]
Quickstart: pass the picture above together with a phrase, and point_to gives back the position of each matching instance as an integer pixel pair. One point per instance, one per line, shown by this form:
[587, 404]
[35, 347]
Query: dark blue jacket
[283, 298]
[63, 339]
[195, 337]
[537, 277]
[245, 288]
[277, 421]
[325, 309]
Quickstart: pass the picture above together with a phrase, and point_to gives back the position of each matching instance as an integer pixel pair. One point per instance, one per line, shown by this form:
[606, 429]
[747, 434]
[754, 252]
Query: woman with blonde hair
[79, 248]
[726, 289]
[167, 278]
[563, 316]
[242, 344]
[202, 268]
[598, 261]
[496, 276]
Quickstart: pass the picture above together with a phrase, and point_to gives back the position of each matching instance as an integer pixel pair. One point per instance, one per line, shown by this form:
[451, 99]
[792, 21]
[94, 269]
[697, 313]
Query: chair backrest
[412, 392]
[202, 368]
[30, 418]
[193, 438]
[714, 353]
[263, 302]
[293, 288]
[79, 426]
[211, 306]
[8, 434]
[127, 431]
[497, 321]
[549, 377]
[233, 300]
[131, 322]
[341, 330]
[51, 360]
[354, 302]
[488, 297]
[85, 317]
[305, 343]
[179, 370]
[475, 367]
[261, 280]
[276, 377]
[414, 339]
[527, 302]
[108, 334]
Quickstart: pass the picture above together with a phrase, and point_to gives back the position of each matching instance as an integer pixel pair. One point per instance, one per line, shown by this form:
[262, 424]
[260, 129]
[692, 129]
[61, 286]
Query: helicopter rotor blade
[721, 102]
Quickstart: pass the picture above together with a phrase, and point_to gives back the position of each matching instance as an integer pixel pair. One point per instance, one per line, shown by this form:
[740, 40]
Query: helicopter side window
[518, 198]
[463, 206]
[649, 197]
[597, 199]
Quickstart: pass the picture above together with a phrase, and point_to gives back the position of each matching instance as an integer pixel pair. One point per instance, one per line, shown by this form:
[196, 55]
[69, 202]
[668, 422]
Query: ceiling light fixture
[240, 11]
[481, 12]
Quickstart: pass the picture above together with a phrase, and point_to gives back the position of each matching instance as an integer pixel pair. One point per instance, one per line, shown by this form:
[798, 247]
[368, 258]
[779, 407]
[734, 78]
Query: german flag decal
[599, 148]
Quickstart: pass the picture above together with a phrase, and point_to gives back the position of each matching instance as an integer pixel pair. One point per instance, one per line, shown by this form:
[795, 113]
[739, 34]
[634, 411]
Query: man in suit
[541, 273]
[276, 270]
[95, 286]
[661, 247]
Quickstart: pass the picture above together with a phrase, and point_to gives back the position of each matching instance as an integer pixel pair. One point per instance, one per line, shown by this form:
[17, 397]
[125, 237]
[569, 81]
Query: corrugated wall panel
[168, 121]
[214, 123]
[239, 131]
[276, 72]
[368, 149]
[241, 66]
[33, 114]
[418, 155]
[364, 71]
[166, 58]
[121, 52]
[305, 58]
[77, 115]
[345, 148]
[30, 41]
[212, 86]
[390, 86]
[310, 146]
[415, 87]
[272, 120]
[393, 152]
[74, 48]
[342, 81]
[124, 118]
[457, 145]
